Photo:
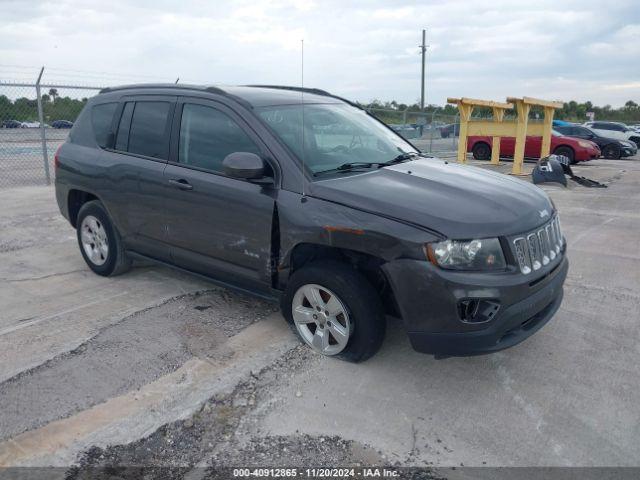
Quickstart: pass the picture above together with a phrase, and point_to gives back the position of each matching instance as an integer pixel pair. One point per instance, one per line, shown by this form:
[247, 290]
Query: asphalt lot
[158, 367]
[21, 161]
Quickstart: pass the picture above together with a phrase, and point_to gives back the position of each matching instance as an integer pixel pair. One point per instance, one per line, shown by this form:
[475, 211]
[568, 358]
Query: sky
[363, 50]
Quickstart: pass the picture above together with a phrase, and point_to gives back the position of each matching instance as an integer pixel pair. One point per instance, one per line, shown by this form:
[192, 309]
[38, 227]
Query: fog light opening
[476, 310]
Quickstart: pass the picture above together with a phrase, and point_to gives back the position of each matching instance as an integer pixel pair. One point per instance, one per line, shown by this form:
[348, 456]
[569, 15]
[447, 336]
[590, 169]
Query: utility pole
[423, 50]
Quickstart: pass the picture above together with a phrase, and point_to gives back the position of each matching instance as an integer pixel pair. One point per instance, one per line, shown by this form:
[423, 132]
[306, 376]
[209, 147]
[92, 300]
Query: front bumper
[428, 297]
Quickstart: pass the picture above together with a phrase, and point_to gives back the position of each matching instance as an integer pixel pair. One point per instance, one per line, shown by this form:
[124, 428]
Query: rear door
[507, 146]
[217, 225]
[138, 158]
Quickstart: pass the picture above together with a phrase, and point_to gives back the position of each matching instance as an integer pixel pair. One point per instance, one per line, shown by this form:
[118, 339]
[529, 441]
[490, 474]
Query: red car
[576, 149]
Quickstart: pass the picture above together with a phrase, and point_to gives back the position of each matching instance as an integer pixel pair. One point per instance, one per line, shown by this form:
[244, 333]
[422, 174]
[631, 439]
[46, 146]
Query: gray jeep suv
[302, 197]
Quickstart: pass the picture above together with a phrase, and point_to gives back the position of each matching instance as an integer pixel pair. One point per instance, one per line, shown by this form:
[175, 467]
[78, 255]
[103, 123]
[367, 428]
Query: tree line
[571, 111]
[54, 107]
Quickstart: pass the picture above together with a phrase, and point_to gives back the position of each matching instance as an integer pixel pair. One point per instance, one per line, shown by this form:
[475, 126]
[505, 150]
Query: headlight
[477, 254]
[585, 144]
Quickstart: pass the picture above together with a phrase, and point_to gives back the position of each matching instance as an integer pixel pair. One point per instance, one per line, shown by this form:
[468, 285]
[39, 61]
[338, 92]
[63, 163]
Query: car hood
[458, 201]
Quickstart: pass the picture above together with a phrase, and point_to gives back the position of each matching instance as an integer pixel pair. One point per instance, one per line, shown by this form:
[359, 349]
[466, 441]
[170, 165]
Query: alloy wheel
[322, 320]
[94, 240]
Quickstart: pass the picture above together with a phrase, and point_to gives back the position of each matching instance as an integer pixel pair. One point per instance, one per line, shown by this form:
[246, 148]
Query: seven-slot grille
[539, 247]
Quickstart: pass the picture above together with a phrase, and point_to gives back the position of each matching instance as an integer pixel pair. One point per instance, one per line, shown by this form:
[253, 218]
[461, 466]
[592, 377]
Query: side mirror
[244, 165]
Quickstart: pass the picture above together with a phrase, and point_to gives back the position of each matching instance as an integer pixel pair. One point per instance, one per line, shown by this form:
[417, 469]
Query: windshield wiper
[403, 157]
[348, 167]
[354, 166]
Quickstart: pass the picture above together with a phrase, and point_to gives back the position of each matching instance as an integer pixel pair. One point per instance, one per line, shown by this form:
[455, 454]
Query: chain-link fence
[36, 115]
[35, 120]
[431, 132]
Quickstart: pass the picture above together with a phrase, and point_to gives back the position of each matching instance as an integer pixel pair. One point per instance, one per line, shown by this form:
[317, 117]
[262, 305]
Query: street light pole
[423, 50]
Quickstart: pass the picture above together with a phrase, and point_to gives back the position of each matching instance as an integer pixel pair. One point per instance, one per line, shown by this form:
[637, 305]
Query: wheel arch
[76, 198]
[366, 264]
[565, 145]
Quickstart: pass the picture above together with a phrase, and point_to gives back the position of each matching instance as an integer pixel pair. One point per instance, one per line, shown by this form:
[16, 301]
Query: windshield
[334, 134]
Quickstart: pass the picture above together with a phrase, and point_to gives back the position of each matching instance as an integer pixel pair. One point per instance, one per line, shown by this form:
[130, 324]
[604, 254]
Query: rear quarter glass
[101, 120]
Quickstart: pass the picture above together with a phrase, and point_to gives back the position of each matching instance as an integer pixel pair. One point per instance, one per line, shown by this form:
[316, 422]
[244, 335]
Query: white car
[614, 130]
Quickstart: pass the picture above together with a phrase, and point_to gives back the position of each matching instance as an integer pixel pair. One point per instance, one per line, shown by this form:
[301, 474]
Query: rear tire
[611, 152]
[481, 151]
[341, 289]
[100, 242]
[567, 152]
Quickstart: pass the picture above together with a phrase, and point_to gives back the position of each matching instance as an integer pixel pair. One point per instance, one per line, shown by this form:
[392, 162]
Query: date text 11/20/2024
[316, 472]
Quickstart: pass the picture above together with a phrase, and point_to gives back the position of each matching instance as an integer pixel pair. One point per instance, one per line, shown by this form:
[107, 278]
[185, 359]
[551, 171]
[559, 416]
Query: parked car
[406, 130]
[340, 229]
[610, 147]
[32, 125]
[61, 124]
[614, 130]
[449, 130]
[576, 150]
[11, 124]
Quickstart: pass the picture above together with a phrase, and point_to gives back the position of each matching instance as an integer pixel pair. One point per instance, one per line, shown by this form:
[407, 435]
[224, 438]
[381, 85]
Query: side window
[122, 138]
[148, 134]
[101, 118]
[207, 136]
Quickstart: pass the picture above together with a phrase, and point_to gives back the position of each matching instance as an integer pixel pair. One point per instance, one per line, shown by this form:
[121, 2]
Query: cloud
[360, 49]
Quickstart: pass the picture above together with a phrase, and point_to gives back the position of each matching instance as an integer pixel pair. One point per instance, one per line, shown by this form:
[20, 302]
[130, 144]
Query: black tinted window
[122, 138]
[101, 118]
[148, 134]
[207, 136]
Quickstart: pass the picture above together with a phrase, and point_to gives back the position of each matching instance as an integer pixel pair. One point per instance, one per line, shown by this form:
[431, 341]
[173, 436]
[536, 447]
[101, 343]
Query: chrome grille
[539, 247]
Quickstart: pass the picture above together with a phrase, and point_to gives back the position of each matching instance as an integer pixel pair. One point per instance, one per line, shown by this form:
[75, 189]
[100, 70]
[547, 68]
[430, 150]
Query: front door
[217, 225]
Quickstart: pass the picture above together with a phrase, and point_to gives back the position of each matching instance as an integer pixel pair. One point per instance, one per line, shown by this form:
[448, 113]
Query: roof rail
[210, 89]
[317, 91]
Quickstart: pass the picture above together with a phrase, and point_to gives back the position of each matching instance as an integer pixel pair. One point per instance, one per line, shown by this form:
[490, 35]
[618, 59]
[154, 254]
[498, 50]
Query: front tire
[611, 152]
[566, 152]
[100, 242]
[481, 151]
[335, 311]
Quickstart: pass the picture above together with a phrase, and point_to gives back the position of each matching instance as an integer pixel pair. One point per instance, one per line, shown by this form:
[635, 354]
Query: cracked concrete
[565, 397]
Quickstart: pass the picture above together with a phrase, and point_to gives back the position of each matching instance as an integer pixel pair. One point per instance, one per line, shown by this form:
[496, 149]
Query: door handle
[182, 184]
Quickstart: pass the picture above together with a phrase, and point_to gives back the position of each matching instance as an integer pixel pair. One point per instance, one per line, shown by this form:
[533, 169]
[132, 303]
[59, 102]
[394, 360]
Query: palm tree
[53, 93]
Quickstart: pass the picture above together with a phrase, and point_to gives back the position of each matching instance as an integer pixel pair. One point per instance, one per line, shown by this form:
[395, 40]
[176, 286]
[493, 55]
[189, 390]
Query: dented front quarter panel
[308, 220]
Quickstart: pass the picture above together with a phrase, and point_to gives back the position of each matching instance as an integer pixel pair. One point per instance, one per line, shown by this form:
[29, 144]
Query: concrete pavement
[73, 344]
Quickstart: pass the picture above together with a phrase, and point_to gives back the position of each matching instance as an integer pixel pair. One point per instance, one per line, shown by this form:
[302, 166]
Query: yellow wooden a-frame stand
[498, 127]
